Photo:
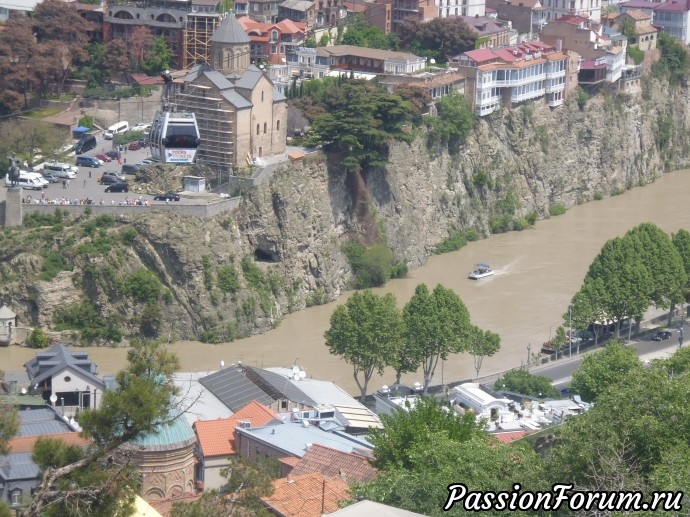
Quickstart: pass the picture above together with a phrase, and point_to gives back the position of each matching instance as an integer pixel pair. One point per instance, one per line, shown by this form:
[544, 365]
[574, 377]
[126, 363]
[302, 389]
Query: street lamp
[570, 331]
[680, 337]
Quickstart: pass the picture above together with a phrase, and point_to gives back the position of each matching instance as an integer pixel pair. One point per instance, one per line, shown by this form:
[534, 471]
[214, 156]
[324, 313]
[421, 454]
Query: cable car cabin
[174, 137]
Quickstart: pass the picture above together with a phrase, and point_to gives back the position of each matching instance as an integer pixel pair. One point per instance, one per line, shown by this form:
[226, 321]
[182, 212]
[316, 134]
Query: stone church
[241, 116]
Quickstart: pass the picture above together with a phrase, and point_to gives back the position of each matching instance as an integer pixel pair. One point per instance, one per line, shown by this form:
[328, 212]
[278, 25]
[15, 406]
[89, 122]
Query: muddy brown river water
[537, 272]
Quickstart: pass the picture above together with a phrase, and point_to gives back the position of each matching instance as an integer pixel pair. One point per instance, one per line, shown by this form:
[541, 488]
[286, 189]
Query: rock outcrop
[282, 249]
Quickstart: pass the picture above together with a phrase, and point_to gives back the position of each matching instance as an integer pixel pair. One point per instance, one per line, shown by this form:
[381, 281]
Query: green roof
[23, 400]
[174, 435]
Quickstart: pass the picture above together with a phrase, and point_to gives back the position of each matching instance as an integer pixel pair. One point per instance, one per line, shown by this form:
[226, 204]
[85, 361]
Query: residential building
[311, 495]
[437, 85]
[294, 439]
[302, 11]
[646, 6]
[526, 16]
[271, 42]
[185, 26]
[506, 77]
[596, 44]
[262, 11]
[216, 441]
[351, 467]
[645, 33]
[360, 59]
[238, 111]
[379, 13]
[471, 8]
[590, 9]
[67, 378]
[19, 475]
[17, 7]
[673, 17]
[490, 33]
[423, 10]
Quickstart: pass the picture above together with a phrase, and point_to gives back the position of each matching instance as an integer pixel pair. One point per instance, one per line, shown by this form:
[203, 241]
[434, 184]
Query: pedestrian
[125, 160]
[84, 182]
[89, 174]
[67, 185]
[64, 183]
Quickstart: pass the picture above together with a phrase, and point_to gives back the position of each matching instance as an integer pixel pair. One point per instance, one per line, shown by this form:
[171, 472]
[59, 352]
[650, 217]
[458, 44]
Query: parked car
[104, 158]
[109, 179]
[118, 175]
[134, 146]
[148, 161]
[661, 335]
[120, 186]
[88, 161]
[168, 196]
[131, 168]
[141, 127]
[114, 154]
[51, 178]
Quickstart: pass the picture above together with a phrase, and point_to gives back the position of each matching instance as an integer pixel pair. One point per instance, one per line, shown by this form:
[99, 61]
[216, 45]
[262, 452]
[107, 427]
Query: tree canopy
[9, 422]
[361, 34]
[438, 38]
[522, 381]
[74, 481]
[365, 331]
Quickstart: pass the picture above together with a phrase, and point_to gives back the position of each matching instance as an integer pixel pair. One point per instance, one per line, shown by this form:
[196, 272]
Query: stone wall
[134, 109]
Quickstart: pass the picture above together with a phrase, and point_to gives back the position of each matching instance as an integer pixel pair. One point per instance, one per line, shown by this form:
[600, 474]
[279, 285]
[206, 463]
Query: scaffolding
[215, 119]
[199, 28]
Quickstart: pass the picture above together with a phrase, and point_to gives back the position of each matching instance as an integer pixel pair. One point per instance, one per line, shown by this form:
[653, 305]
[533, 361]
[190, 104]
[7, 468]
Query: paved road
[561, 371]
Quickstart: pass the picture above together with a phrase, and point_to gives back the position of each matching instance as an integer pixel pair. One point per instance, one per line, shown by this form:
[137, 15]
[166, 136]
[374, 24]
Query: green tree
[9, 421]
[158, 57]
[141, 402]
[361, 34]
[453, 123]
[5, 510]
[439, 38]
[436, 325]
[522, 381]
[589, 306]
[365, 332]
[600, 371]
[681, 241]
[96, 70]
[481, 344]
[38, 339]
[674, 62]
[662, 259]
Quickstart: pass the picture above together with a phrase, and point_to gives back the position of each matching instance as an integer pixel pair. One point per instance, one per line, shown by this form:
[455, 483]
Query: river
[537, 272]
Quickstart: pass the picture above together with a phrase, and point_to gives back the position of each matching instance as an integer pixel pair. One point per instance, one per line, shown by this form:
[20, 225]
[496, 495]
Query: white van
[35, 176]
[60, 170]
[26, 182]
[116, 129]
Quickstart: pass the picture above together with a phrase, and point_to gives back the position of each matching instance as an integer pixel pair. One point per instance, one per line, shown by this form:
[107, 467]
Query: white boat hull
[478, 275]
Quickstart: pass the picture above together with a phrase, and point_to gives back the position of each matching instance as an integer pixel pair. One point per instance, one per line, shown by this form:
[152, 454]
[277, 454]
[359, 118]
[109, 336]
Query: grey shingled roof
[249, 78]
[230, 31]
[297, 5]
[218, 79]
[58, 358]
[234, 389]
[277, 96]
[42, 421]
[236, 99]
[18, 465]
[195, 72]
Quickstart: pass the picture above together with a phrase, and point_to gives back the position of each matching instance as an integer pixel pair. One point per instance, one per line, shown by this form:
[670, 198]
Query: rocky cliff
[236, 275]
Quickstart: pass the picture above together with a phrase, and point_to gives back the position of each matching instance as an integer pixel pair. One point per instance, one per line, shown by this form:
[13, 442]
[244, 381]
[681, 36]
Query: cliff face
[281, 250]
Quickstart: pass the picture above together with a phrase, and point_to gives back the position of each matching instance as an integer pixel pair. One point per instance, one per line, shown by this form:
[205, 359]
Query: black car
[168, 196]
[120, 186]
[109, 179]
[661, 335]
[114, 154]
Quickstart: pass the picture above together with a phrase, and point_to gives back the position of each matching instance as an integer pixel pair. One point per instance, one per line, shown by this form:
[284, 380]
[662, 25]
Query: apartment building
[448, 8]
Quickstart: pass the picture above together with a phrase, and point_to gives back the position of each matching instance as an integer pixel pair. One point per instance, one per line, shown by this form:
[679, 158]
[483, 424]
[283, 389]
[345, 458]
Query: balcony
[555, 75]
[527, 96]
[514, 82]
[553, 103]
[555, 88]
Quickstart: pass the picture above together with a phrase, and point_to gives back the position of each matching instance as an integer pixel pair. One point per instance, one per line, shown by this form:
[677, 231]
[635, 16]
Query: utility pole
[680, 338]
[570, 331]
[529, 354]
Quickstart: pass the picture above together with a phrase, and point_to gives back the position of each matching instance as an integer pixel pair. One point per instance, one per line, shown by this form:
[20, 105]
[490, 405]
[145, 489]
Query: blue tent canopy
[80, 129]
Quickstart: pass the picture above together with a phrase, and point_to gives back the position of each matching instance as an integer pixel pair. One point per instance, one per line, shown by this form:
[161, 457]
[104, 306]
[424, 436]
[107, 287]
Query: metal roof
[278, 385]
[249, 78]
[230, 31]
[198, 402]
[277, 96]
[218, 79]
[18, 465]
[41, 421]
[366, 508]
[175, 435]
[58, 358]
[232, 388]
[293, 438]
[236, 99]
[6, 313]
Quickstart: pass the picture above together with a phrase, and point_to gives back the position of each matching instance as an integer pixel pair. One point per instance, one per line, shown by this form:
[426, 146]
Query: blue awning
[80, 129]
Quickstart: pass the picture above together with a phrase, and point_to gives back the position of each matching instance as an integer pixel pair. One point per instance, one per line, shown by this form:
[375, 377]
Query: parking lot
[85, 185]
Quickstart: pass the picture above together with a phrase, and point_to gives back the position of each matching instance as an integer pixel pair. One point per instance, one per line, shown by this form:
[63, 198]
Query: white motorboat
[481, 270]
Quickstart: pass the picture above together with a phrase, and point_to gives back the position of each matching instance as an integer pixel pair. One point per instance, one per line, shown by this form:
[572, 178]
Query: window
[262, 96]
[15, 497]
[258, 129]
[278, 126]
[264, 128]
[67, 378]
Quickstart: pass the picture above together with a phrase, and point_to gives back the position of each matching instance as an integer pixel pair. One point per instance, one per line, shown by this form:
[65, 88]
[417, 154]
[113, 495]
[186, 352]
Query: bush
[456, 240]
[318, 297]
[142, 285]
[82, 316]
[38, 339]
[557, 209]
[53, 263]
[531, 218]
[150, 321]
[500, 224]
[371, 266]
[636, 54]
[228, 281]
[128, 235]
[582, 98]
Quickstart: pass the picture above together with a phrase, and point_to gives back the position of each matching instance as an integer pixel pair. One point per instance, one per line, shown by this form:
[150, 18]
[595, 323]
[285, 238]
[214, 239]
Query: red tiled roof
[355, 8]
[572, 19]
[590, 64]
[637, 14]
[510, 436]
[311, 495]
[331, 462]
[290, 460]
[164, 506]
[291, 27]
[144, 79]
[675, 5]
[26, 443]
[217, 437]
[481, 55]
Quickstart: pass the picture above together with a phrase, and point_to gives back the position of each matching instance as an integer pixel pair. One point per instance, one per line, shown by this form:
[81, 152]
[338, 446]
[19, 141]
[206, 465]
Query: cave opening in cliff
[264, 256]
